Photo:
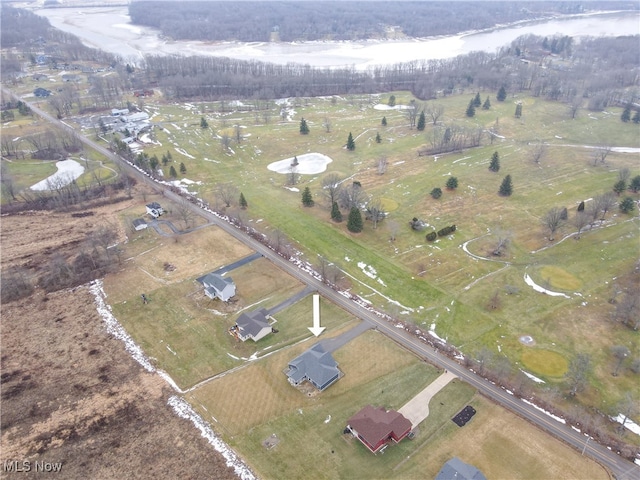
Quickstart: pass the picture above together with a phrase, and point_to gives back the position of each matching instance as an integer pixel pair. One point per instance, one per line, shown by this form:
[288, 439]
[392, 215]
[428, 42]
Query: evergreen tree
[452, 183]
[304, 128]
[627, 205]
[351, 144]
[446, 138]
[169, 157]
[392, 101]
[204, 123]
[487, 104]
[243, 201]
[172, 172]
[471, 110]
[634, 186]
[378, 138]
[384, 121]
[436, 193]
[165, 160]
[477, 101]
[636, 117]
[502, 94]
[626, 114]
[620, 186]
[494, 166]
[518, 113]
[307, 199]
[580, 206]
[336, 214]
[422, 121]
[506, 189]
[183, 168]
[354, 223]
[153, 163]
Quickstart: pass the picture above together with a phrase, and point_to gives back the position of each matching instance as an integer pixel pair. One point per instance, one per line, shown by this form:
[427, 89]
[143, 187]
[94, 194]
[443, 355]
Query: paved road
[621, 468]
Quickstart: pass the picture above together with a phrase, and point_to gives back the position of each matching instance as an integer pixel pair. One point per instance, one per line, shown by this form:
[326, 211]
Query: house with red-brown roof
[375, 427]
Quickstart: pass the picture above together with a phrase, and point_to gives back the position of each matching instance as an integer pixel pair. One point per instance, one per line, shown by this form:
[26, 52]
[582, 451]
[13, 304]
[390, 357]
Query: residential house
[216, 286]
[316, 366]
[41, 92]
[139, 224]
[456, 469]
[375, 427]
[117, 112]
[154, 209]
[135, 117]
[254, 325]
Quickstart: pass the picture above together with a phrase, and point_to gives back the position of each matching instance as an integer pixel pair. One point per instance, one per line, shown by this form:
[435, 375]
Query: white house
[154, 209]
[215, 286]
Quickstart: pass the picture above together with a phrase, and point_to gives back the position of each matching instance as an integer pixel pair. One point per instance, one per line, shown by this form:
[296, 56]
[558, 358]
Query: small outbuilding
[375, 427]
[139, 224]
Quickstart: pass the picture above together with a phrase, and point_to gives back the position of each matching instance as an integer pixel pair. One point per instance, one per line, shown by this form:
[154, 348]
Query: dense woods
[255, 21]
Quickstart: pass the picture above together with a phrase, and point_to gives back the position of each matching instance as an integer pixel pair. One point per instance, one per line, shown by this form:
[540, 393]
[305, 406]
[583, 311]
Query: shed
[154, 209]
[139, 224]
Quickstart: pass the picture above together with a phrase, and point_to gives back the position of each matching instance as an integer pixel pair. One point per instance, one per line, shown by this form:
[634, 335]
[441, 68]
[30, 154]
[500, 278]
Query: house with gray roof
[316, 366]
[216, 286]
[254, 325]
[456, 469]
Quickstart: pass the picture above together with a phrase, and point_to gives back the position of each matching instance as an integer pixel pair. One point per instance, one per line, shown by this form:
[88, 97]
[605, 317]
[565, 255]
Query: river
[110, 29]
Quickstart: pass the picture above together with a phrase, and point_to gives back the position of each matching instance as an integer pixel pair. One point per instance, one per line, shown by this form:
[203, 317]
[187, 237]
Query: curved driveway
[621, 468]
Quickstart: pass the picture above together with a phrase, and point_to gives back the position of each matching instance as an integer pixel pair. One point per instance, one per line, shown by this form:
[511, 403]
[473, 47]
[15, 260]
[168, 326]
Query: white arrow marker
[316, 329]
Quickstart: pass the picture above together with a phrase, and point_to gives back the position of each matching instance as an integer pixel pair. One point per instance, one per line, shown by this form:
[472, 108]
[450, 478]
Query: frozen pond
[68, 171]
[308, 164]
[110, 29]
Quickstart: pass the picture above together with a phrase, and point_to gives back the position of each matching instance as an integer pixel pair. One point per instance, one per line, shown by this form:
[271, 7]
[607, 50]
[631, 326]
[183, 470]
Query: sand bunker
[308, 164]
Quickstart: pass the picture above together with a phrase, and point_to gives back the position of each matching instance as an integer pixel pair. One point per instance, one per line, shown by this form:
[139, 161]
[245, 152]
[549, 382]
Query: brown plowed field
[70, 392]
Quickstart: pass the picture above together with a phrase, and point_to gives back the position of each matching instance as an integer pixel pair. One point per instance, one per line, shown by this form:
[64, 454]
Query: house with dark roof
[456, 469]
[41, 92]
[375, 427]
[254, 325]
[154, 209]
[215, 286]
[316, 366]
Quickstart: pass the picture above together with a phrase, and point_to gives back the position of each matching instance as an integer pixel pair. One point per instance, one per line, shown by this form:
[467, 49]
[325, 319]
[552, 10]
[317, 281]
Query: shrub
[436, 193]
[431, 236]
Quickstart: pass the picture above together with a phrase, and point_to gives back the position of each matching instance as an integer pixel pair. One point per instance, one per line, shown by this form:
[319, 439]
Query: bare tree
[394, 228]
[434, 111]
[574, 106]
[577, 375]
[580, 221]
[293, 176]
[184, 211]
[624, 174]
[352, 196]
[238, 133]
[382, 164]
[620, 353]
[326, 123]
[16, 284]
[375, 212]
[627, 407]
[226, 193]
[483, 358]
[225, 141]
[280, 242]
[537, 152]
[331, 187]
[628, 309]
[7, 183]
[553, 220]
[606, 202]
[411, 112]
[599, 154]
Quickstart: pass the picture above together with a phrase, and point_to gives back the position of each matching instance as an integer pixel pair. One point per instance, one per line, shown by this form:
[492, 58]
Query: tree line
[256, 21]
